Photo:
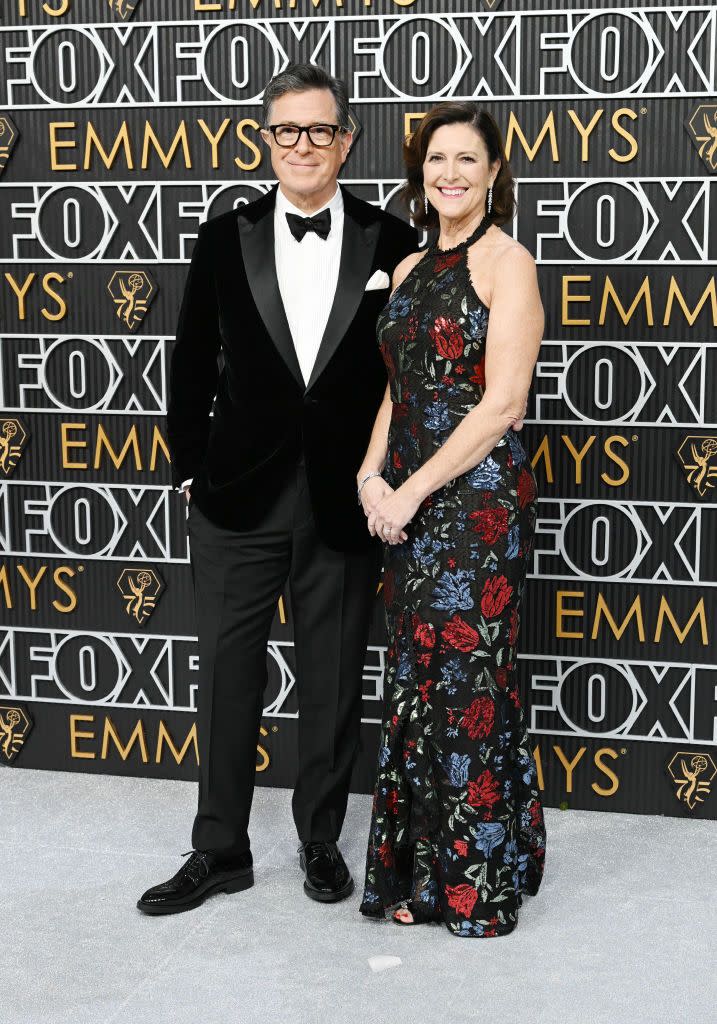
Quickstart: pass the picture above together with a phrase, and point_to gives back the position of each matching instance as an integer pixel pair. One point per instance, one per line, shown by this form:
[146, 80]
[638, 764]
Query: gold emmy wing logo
[8, 138]
[702, 126]
[124, 9]
[15, 724]
[141, 589]
[13, 438]
[132, 291]
[698, 455]
[692, 774]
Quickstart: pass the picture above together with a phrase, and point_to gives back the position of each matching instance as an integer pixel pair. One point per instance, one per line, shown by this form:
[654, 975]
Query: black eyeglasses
[287, 135]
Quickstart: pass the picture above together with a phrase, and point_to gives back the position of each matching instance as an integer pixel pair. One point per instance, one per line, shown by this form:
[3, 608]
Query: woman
[457, 832]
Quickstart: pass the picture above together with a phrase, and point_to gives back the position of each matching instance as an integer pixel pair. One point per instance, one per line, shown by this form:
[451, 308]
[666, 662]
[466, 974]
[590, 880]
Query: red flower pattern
[457, 633]
[447, 337]
[490, 523]
[485, 791]
[478, 718]
[462, 898]
[496, 594]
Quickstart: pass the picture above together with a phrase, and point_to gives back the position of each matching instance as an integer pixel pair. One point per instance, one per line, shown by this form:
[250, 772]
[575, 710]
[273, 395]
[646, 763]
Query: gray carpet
[623, 929]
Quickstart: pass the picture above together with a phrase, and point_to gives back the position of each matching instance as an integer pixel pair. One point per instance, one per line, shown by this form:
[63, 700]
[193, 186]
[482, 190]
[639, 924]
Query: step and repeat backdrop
[124, 124]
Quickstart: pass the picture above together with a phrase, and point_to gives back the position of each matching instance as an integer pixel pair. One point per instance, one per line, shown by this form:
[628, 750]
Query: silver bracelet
[369, 476]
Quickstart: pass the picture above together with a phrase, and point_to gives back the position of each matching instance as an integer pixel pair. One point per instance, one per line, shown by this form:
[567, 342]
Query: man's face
[307, 173]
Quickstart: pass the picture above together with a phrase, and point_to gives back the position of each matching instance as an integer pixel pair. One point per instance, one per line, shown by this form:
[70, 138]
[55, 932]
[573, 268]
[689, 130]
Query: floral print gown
[457, 826]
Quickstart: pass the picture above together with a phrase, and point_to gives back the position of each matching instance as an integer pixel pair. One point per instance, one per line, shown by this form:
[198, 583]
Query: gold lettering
[57, 12]
[180, 138]
[121, 140]
[56, 144]
[103, 441]
[164, 736]
[76, 734]
[614, 457]
[585, 132]
[264, 763]
[578, 456]
[214, 140]
[568, 299]
[5, 583]
[547, 129]
[635, 609]
[643, 293]
[539, 768]
[158, 443]
[32, 583]
[408, 120]
[137, 736]
[58, 575]
[61, 304]
[544, 453]
[242, 137]
[66, 443]
[665, 612]
[601, 790]
[20, 291]
[632, 152]
[569, 765]
[562, 613]
[674, 292]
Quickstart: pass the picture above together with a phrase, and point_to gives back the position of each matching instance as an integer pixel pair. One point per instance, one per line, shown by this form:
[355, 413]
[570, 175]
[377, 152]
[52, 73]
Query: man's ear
[346, 143]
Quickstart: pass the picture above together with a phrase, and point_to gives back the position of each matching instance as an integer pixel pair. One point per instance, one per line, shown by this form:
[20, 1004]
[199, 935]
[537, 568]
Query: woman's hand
[187, 494]
[391, 515]
[372, 492]
[518, 424]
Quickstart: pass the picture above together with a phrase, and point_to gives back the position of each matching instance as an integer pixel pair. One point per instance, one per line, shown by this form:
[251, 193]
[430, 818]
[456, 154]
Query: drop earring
[425, 203]
[490, 199]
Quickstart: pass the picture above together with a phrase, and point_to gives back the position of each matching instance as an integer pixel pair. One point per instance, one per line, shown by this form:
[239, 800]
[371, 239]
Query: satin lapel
[257, 246]
[357, 248]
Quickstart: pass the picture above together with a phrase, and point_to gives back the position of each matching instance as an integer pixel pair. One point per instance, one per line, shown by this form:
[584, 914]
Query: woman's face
[457, 172]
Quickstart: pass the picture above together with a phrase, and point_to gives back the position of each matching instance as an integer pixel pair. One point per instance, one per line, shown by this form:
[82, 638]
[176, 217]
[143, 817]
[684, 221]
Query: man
[280, 288]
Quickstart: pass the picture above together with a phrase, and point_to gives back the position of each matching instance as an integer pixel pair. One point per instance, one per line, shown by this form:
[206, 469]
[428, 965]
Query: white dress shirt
[307, 274]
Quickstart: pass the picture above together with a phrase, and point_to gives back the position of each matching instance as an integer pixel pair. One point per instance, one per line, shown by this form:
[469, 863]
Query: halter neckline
[478, 233]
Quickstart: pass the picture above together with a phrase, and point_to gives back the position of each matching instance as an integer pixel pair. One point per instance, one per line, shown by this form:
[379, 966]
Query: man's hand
[187, 493]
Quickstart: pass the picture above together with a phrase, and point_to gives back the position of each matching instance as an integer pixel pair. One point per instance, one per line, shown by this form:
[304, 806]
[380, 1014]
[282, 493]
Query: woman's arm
[375, 489]
[375, 457]
[515, 330]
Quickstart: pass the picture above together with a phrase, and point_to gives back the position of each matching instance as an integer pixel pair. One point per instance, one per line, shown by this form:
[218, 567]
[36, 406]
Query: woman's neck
[453, 232]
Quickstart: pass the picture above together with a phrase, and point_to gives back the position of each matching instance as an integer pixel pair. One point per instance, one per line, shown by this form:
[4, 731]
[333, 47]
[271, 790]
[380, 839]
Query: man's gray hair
[301, 78]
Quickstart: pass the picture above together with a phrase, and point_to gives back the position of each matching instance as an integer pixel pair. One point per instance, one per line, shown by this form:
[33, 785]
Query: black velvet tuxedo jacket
[234, 354]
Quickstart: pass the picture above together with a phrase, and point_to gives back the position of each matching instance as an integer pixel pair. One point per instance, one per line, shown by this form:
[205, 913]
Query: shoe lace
[197, 867]
[321, 851]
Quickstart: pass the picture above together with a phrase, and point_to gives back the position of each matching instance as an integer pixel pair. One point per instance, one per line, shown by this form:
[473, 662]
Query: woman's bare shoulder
[512, 255]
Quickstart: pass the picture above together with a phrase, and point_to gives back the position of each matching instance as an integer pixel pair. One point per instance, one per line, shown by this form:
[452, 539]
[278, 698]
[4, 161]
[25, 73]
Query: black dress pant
[238, 578]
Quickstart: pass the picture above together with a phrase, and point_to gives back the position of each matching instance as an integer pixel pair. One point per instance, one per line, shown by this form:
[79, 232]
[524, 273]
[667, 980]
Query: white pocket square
[379, 279]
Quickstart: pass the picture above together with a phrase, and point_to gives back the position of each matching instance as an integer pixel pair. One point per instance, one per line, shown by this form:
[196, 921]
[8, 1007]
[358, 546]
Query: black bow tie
[320, 223]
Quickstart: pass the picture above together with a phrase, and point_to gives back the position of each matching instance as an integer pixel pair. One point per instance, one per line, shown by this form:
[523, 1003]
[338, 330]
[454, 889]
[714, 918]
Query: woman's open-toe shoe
[418, 915]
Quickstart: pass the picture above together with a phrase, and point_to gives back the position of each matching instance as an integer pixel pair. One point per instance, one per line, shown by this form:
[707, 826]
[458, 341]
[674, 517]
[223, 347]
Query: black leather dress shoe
[202, 876]
[328, 880]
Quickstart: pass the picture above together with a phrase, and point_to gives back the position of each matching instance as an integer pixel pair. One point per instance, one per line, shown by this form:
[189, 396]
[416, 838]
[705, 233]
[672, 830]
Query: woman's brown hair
[415, 148]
